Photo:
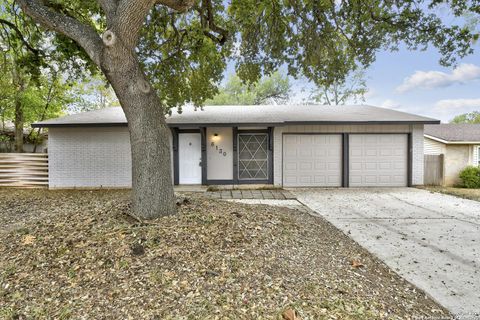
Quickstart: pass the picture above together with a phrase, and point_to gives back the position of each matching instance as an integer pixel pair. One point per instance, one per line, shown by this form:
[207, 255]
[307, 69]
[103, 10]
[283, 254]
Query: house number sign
[220, 150]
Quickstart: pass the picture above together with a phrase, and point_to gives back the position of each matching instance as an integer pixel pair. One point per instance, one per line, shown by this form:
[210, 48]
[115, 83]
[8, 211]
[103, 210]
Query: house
[460, 145]
[30, 145]
[290, 145]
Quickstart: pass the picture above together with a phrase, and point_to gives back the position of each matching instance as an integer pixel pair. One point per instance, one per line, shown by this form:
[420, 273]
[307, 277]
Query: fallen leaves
[28, 239]
[80, 254]
[289, 314]
[356, 263]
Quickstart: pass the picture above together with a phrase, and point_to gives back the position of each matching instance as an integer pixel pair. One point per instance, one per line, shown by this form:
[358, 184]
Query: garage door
[378, 160]
[312, 160]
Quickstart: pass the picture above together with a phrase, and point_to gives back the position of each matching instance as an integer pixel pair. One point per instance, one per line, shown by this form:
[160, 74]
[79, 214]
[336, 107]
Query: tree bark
[114, 53]
[152, 186]
[18, 121]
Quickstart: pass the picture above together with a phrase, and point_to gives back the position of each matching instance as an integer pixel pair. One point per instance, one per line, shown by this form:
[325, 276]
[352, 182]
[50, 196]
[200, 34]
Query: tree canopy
[351, 89]
[184, 45]
[274, 89]
[471, 117]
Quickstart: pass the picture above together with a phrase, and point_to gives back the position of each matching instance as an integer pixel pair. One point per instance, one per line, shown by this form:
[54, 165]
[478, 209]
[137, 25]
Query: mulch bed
[79, 254]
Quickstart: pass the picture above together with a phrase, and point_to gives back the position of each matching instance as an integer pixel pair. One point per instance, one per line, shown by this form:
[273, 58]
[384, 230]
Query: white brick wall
[89, 157]
[418, 155]
[417, 145]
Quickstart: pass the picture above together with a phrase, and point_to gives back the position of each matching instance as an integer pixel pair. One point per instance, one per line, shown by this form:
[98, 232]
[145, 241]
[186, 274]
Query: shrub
[470, 177]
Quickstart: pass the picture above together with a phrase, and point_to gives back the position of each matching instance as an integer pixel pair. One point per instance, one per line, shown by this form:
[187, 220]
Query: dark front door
[253, 157]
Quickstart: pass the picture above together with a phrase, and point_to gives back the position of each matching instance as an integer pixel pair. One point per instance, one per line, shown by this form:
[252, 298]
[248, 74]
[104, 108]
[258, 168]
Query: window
[252, 156]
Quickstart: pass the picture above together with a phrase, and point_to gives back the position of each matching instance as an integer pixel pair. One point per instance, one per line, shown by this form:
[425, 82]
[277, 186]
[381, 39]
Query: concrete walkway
[277, 194]
[431, 239]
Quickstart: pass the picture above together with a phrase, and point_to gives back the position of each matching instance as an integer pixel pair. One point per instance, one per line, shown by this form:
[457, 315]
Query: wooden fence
[24, 170]
[433, 170]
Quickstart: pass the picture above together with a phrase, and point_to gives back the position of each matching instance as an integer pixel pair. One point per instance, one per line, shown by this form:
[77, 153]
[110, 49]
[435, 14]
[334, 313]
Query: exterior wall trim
[240, 124]
[175, 133]
[450, 142]
[346, 160]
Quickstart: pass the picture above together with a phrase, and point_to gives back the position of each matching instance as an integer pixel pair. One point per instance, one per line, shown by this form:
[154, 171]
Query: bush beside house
[470, 177]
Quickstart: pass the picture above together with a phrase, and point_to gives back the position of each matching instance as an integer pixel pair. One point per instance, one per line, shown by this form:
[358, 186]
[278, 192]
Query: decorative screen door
[253, 156]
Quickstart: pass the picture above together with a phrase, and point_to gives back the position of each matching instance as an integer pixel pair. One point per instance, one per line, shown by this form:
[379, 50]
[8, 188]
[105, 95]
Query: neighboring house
[7, 140]
[460, 145]
[290, 145]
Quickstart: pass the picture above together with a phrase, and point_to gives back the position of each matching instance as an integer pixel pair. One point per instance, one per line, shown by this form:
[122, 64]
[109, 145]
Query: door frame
[269, 133]
[176, 158]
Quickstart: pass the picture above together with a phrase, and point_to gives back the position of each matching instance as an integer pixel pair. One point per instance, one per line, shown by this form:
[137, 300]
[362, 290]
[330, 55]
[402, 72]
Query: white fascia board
[450, 142]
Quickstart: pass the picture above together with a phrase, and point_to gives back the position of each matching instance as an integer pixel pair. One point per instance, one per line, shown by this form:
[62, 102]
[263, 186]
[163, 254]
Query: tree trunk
[18, 121]
[152, 192]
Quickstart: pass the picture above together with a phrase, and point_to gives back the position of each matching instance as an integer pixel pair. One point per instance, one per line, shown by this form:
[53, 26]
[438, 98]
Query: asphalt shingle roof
[454, 132]
[250, 115]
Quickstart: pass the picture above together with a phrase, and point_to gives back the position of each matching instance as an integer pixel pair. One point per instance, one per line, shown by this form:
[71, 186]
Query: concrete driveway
[431, 239]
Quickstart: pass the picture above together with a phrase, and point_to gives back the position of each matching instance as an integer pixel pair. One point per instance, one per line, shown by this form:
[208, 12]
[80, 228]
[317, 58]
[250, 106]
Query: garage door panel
[378, 160]
[317, 159]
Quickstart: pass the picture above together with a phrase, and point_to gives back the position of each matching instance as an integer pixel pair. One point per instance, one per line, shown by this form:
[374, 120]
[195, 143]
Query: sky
[415, 82]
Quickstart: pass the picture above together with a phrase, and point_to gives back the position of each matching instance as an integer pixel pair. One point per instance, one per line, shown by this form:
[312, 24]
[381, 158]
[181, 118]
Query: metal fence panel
[24, 170]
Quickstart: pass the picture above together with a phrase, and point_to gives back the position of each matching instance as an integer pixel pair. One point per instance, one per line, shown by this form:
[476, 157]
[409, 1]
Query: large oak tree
[158, 54]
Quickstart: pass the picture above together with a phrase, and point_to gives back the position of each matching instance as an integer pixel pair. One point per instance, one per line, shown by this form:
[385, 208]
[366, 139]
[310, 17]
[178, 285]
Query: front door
[190, 158]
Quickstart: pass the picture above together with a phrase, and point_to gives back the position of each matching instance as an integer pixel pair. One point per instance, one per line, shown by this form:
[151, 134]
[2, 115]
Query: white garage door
[378, 160]
[312, 160]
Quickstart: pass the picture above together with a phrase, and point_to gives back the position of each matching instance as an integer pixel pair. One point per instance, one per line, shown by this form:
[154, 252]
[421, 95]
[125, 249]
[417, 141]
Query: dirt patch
[77, 254]
[472, 194]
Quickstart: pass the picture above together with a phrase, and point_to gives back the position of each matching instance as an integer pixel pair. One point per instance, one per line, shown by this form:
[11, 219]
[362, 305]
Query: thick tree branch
[177, 5]
[130, 16]
[207, 21]
[20, 36]
[83, 34]
[109, 7]
[129, 19]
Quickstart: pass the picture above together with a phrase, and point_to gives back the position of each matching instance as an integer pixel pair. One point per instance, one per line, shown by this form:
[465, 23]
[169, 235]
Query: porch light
[215, 137]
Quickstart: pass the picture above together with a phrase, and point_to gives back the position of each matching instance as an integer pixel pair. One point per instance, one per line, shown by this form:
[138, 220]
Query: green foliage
[185, 54]
[342, 91]
[269, 89]
[326, 40]
[471, 117]
[470, 177]
[91, 94]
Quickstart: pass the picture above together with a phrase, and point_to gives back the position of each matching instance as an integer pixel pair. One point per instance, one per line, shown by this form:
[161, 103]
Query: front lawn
[78, 254]
[472, 194]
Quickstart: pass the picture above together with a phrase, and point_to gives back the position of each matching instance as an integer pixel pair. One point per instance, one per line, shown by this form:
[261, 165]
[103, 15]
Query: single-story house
[460, 145]
[287, 145]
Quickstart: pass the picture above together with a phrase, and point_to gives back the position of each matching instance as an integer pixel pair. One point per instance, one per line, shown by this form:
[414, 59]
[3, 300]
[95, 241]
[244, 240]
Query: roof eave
[450, 142]
[245, 124]
[78, 125]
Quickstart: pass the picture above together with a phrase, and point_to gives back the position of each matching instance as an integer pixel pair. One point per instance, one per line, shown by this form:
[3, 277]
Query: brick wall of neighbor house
[416, 130]
[457, 157]
[89, 157]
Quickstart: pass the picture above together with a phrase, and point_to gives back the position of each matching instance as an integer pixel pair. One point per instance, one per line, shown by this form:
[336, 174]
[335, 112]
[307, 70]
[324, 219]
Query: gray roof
[250, 115]
[454, 132]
